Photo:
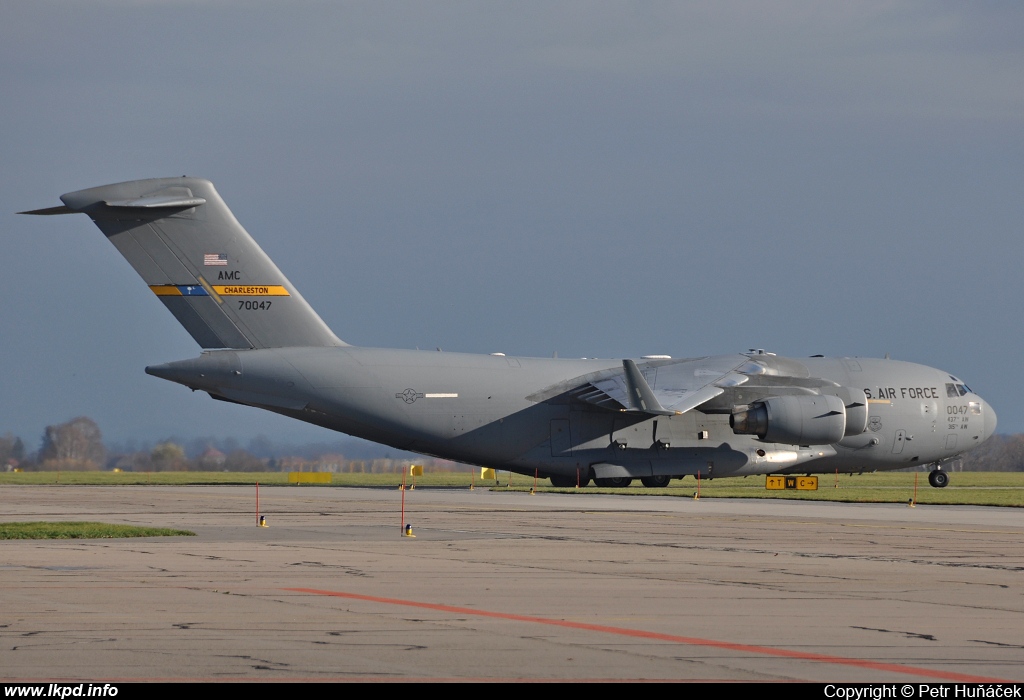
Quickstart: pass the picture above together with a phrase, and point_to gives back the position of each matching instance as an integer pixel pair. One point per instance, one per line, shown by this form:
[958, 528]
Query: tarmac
[506, 586]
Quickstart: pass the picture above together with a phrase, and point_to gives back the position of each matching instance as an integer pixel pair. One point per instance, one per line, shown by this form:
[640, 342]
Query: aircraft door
[899, 442]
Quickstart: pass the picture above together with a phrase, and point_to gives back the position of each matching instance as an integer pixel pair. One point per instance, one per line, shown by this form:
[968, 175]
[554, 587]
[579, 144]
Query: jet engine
[856, 403]
[793, 420]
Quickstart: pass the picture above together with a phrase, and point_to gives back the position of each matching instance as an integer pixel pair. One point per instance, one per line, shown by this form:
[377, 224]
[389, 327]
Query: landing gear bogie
[655, 482]
[615, 482]
[563, 482]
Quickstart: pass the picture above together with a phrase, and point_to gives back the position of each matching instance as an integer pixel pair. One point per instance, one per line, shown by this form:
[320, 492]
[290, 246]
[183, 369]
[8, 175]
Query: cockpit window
[954, 391]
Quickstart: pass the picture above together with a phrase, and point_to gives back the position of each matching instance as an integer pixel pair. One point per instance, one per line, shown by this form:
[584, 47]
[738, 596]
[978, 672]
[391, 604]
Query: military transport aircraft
[652, 418]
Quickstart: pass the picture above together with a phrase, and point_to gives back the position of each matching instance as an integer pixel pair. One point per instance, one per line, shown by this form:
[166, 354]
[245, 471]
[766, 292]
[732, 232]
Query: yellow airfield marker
[408, 531]
[414, 471]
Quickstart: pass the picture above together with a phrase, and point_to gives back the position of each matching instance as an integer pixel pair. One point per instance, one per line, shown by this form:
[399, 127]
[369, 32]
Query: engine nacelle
[856, 403]
[793, 420]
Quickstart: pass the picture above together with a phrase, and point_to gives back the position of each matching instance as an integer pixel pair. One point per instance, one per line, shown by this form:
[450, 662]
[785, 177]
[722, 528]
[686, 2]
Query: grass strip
[81, 531]
[966, 488]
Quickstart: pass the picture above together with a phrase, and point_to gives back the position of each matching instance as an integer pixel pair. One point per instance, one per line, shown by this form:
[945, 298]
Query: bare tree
[168, 456]
[77, 444]
[12, 451]
[242, 461]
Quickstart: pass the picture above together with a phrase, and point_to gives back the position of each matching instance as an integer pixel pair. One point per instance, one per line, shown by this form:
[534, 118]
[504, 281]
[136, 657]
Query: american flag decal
[217, 259]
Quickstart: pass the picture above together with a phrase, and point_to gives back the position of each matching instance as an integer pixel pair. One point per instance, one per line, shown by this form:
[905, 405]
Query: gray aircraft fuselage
[474, 409]
[652, 418]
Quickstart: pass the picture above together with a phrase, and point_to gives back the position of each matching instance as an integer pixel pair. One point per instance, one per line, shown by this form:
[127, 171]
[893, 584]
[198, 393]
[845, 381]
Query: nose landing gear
[938, 478]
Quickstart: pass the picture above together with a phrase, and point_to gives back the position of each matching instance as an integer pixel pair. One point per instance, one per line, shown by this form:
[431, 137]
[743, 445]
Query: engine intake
[793, 420]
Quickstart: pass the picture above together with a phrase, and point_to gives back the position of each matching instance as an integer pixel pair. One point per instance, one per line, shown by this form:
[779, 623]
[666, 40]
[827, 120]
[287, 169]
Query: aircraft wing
[675, 387]
[661, 387]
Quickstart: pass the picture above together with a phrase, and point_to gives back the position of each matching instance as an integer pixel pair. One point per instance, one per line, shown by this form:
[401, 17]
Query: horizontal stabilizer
[49, 211]
[157, 203]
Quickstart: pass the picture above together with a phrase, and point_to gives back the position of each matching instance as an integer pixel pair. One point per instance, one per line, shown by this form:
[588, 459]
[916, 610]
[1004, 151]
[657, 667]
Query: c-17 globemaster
[652, 418]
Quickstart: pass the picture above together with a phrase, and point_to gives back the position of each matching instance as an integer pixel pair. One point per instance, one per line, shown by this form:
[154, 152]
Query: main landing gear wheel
[615, 482]
[655, 482]
[563, 482]
[938, 479]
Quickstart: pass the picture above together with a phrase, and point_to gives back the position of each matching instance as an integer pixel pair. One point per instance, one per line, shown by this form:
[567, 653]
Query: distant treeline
[1000, 453]
[78, 446]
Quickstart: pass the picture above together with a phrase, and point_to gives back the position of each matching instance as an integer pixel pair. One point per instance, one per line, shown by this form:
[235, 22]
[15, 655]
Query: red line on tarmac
[643, 634]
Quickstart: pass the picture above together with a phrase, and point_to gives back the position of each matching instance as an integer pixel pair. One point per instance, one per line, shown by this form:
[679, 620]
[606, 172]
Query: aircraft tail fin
[188, 247]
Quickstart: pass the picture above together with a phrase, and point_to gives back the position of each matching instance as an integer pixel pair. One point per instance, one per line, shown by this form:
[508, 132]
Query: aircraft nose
[990, 420]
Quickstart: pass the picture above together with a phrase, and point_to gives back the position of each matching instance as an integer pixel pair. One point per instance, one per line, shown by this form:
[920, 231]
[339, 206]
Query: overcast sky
[596, 179]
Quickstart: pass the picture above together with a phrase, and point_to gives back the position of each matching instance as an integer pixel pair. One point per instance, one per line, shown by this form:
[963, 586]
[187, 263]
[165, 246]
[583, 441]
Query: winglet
[641, 398]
